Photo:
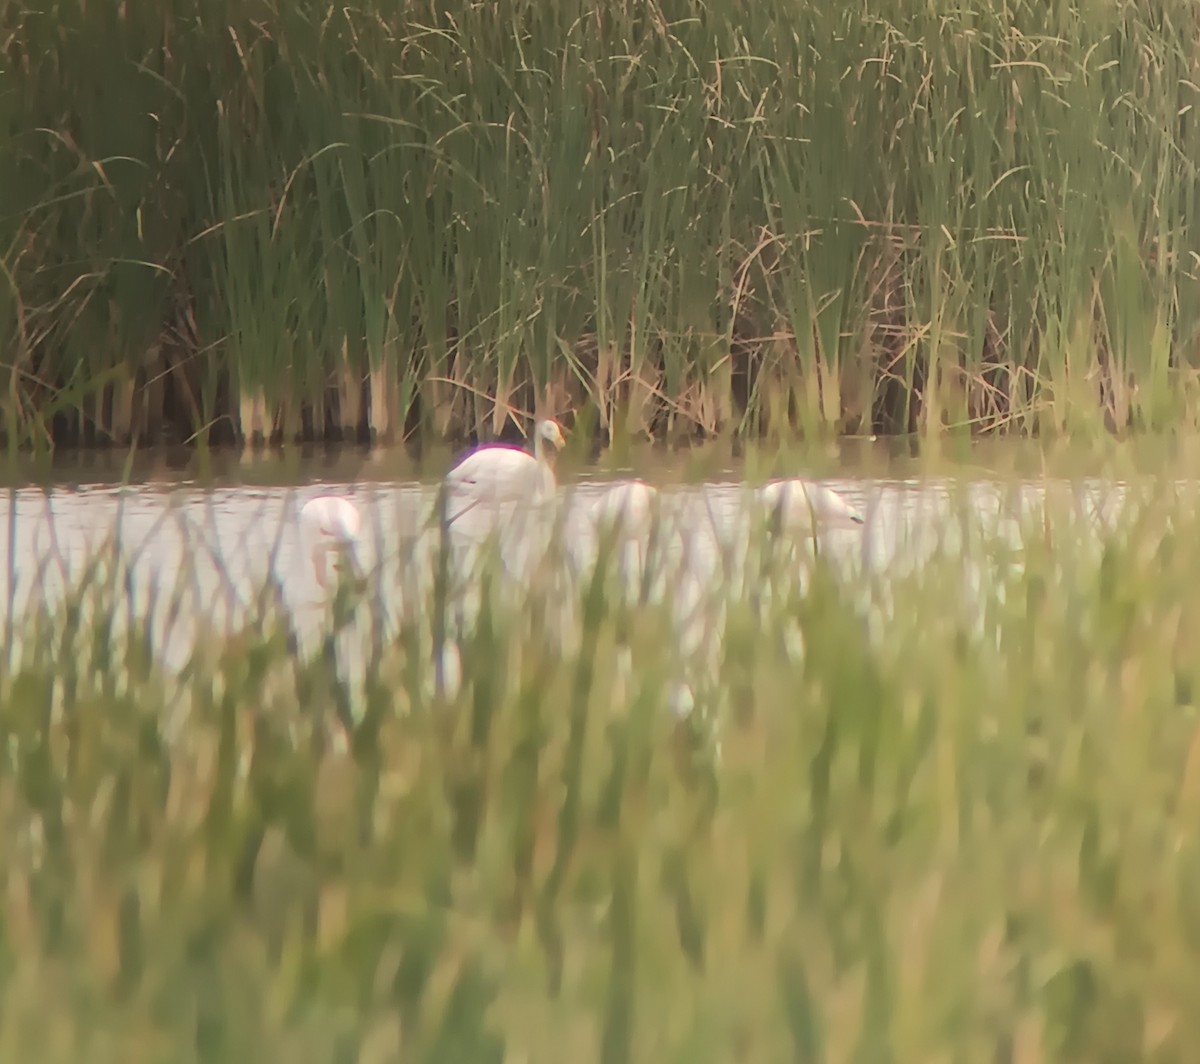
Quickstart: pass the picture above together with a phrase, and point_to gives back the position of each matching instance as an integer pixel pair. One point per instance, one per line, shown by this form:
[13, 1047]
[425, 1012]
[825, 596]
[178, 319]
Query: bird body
[502, 494]
[499, 473]
[623, 519]
[628, 508]
[804, 504]
[331, 526]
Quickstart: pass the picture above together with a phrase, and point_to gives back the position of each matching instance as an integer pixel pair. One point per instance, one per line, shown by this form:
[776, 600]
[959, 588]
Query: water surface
[221, 525]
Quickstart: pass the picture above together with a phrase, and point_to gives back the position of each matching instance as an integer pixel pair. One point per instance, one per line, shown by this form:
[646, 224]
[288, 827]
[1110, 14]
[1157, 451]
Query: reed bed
[272, 221]
[949, 826]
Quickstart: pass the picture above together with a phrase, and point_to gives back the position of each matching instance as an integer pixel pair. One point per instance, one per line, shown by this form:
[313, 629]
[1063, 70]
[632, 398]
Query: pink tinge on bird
[498, 474]
[331, 527]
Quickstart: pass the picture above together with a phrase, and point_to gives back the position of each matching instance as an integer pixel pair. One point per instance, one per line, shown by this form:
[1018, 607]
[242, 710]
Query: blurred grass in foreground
[964, 831]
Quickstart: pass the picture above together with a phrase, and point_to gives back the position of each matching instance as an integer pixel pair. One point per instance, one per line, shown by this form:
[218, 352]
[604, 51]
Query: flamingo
[496, 488]
[801, 504]
[498, 474]
[331, 526]
[501, 485]
[627, 507]
[625, 515]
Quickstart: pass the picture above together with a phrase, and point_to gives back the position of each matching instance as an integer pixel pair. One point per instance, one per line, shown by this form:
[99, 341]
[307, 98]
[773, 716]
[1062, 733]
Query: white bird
[624, 516]
[498, 474]
[627, 507]
[783, 517]
[503, 492]
[803, 504]
[331, 527]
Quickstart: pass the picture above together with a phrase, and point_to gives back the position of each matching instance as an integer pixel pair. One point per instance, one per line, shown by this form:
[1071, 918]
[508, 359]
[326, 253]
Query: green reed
[962, 830]
[294, 220]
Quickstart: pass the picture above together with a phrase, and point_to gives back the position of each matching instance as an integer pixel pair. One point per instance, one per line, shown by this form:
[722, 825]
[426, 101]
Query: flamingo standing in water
[624, 516]
[331, 527]
[499, 474]
[497, 488]
[797, 504]
[504, 489]
[723, 561]
[628, 508]
[803, 507]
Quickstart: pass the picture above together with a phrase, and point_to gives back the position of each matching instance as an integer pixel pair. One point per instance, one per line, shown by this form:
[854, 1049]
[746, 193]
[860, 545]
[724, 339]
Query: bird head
[549, 431]
[333, 527]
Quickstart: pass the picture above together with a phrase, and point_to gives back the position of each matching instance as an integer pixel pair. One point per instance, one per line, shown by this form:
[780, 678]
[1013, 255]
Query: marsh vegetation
[283, 220]
[918, 814]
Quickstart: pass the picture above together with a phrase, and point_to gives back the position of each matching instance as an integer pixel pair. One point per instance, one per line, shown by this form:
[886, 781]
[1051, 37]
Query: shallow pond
[222, 523]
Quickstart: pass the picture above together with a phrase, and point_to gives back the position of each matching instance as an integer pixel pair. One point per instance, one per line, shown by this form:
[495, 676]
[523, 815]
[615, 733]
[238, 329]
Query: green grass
[673, 219]
[965, 834]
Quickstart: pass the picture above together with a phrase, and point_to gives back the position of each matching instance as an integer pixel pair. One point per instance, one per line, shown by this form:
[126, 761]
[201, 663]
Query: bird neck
[543, 453]
[320, 565]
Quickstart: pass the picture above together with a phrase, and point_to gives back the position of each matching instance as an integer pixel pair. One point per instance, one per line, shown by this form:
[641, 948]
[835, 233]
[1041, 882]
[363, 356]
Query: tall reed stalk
[294, 220]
